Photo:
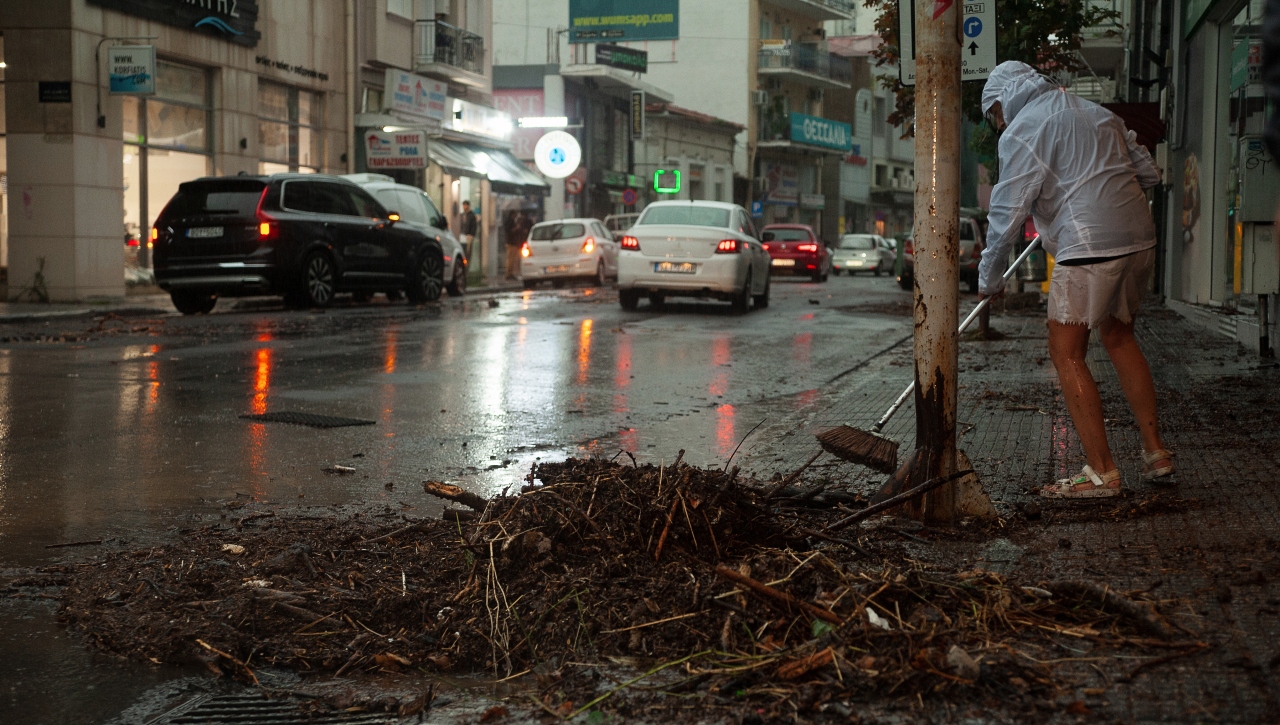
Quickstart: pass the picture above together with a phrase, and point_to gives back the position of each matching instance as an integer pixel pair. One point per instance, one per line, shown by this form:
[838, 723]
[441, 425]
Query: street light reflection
[725, 430]
[721, 355]
[584, 351]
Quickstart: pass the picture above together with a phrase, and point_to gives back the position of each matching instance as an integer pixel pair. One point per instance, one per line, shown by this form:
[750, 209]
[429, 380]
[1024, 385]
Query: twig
[73, 543]
[220, 653]
[744, 440]
[787, 481]
[1161, 660]
[650, 624]
[1143, 615]
[454, 493]
[657, 553]
[412, 527]
[765, 590]
[634, 680]
[898, 500]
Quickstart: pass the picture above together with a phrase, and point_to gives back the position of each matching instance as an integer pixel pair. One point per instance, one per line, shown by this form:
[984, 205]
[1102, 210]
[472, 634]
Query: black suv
[306, 237]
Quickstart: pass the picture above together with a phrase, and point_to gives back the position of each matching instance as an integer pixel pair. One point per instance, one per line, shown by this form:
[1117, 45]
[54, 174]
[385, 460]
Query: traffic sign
[757, 209]
[573, 185]
[557, 154]
[629, 197]
[978, 51]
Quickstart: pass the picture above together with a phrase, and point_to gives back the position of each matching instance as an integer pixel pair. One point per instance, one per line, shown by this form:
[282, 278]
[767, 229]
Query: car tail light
[728, 246]
[524, 250]
[977, 251]
[132, 243]
[589, 246]
[807, 247]
[908, 247]
[629, 243]
[267, 227]
[766, 247]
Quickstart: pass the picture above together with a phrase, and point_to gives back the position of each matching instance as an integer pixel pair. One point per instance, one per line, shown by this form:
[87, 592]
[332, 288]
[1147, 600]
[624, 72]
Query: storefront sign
[557, 154]
[620, 56]
[413, 95]
[637, 115]
[232, 20]
[594, 21]
[813, 201]
[288, 67]
[781, 184]
[1246, 63]
[521, 103]
[54, 91]
[395, 149]
[131, 69]
[822, 132]
[1193, 11]
[477, 120]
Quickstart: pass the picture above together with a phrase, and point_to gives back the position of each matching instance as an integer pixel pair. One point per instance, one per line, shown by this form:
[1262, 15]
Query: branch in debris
[1142, 614]
[456, 494]
[779, 596]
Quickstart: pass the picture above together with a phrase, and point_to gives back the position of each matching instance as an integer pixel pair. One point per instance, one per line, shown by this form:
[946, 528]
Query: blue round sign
[629, 197]
[557, 155]
[973, 26]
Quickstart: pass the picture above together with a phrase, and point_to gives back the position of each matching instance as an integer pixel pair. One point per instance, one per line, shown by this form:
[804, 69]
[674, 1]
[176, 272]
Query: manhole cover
[254, 710]
[308, 419]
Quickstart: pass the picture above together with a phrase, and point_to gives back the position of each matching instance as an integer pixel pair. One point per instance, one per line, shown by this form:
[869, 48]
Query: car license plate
[784, 262]
[204, 232]
[557, 269]
[855, 263]
[675, 267]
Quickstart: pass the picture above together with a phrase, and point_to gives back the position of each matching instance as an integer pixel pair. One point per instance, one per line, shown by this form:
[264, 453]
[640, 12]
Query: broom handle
[977, 310]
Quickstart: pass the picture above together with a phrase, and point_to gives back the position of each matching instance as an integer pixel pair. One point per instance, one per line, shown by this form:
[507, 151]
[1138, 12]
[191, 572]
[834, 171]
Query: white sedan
[568, 249]
[703, 249]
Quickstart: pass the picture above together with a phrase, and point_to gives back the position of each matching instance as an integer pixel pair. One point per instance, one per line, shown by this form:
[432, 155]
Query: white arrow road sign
[978, 41]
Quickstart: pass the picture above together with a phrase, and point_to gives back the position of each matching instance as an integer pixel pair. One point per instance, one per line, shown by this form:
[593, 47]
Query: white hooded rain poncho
[1073, 166]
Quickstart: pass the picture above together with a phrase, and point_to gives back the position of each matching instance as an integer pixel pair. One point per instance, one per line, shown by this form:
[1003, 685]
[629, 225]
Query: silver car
[703, 249]
[568, 249]
[418, 211]
[862, 253]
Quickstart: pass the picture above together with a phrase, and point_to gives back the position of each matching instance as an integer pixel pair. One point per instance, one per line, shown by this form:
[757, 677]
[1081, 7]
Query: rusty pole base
[966, 497]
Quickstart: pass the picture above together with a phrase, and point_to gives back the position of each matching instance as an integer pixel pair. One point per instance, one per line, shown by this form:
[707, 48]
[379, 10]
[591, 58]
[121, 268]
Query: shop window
[289, 133]
[166, 142]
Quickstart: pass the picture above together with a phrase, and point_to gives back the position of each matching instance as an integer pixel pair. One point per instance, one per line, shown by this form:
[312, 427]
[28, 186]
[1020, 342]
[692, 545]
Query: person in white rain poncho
[1080, 173]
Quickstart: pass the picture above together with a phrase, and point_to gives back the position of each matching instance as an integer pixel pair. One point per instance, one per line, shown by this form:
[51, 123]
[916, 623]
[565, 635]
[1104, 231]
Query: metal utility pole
[937, 231]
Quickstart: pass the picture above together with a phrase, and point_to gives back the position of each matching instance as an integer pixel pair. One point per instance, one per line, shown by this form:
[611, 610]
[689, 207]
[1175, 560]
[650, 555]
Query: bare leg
[1068, 345]
[1135, 378]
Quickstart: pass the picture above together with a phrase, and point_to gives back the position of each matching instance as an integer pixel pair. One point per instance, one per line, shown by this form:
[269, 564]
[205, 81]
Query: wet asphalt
[128, 430]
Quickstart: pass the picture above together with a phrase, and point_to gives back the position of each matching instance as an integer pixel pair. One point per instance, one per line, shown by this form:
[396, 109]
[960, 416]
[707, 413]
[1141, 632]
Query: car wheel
[629, 299]
[599, 280]
[878, 272]
[656, 300]
[458, 287]
[835, 273]
[762, 300]
[318, 280]
[426, 283]
[193, 303]
[905, 282]
[742, 301]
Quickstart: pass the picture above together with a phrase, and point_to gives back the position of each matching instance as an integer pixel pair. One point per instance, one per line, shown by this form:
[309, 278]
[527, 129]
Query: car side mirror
[767, 237]
[440, 223]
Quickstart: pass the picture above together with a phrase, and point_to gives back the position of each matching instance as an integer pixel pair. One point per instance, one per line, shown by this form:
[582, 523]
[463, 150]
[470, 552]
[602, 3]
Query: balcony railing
[807, 59]
[440, 42]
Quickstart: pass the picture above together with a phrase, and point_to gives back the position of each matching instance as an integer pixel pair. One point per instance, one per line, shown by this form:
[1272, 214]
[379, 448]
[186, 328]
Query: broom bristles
[858, 446]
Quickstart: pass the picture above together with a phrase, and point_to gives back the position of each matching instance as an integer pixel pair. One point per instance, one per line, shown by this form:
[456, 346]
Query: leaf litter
[633, 591]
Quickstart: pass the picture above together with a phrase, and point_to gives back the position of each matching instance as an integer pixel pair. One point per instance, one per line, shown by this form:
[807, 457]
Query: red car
[796, 249]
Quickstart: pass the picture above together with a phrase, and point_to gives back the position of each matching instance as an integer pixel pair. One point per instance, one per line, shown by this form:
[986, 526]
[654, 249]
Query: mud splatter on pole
[937, 268]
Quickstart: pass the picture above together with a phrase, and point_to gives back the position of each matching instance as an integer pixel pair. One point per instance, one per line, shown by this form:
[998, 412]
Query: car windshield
[557, 231]
[788, 235]
[858, 242]
[231, 198]
[697, 216]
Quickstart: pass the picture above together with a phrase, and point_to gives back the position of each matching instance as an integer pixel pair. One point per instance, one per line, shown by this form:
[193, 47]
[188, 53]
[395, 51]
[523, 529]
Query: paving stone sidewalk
[1209, 544]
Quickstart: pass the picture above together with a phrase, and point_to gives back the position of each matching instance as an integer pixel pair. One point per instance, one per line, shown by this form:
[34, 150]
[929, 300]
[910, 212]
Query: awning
[503, 170]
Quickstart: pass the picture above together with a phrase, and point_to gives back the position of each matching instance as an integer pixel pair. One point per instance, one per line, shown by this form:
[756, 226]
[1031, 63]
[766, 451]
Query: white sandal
[1149, 460]
[1087, 484]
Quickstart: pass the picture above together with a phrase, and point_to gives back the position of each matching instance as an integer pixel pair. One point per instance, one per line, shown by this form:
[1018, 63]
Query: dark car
[796, 249]
[972, 242]
[306, 237]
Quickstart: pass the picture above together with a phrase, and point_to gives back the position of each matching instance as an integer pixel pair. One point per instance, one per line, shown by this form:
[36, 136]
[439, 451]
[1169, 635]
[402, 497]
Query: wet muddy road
[124, 430]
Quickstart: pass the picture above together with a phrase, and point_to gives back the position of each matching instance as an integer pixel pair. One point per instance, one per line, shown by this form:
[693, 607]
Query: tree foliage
[1045, 34]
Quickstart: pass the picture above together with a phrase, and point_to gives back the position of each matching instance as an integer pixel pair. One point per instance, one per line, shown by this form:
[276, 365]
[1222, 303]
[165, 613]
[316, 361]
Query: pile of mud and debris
[625, 589]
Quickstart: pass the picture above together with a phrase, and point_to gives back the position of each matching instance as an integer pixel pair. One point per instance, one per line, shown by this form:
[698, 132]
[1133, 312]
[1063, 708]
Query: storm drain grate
[308, 419]
[254, 710]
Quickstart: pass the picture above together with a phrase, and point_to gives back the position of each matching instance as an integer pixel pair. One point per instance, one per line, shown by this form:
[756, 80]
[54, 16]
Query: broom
[870, 448]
